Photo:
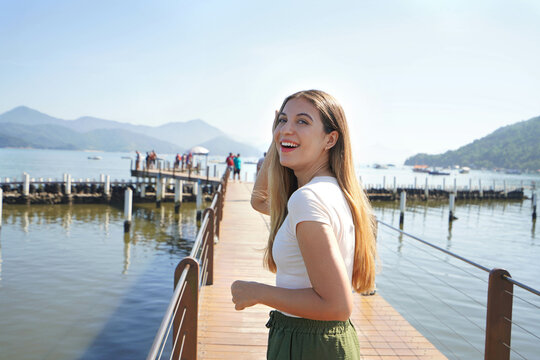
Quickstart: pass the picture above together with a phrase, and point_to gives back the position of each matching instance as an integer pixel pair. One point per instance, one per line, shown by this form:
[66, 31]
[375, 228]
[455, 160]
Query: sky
[412, 76]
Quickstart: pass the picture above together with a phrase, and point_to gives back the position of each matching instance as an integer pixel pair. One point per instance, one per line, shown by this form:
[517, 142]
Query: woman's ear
[332, 139]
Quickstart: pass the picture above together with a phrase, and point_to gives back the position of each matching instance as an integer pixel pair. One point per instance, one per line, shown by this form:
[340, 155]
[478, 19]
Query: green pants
[303, 339]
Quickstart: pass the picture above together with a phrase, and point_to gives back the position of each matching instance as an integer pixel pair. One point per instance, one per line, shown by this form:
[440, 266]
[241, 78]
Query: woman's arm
[259, 195]
[330, 297]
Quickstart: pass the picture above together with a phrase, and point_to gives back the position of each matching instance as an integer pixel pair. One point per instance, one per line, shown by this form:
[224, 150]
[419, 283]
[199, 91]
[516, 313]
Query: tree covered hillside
[514, 146]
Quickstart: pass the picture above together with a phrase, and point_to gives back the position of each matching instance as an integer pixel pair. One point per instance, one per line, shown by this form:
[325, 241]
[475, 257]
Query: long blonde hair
[282, 183]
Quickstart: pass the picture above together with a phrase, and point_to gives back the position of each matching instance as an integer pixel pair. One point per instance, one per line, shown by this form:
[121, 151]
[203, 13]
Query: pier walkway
[224, 333]
[171, 173]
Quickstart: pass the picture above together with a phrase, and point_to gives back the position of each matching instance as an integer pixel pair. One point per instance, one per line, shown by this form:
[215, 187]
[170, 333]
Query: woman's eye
[282, 120]
[301, 121]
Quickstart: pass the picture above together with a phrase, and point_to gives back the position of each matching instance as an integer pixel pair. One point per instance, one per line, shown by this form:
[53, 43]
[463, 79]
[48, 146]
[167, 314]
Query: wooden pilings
[534, 199]
[452, 207]
[107, 188]
[128, 205]
[178, 194]
[402, 204]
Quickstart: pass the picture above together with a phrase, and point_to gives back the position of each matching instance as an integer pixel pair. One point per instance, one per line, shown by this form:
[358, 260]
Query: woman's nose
[287, 128]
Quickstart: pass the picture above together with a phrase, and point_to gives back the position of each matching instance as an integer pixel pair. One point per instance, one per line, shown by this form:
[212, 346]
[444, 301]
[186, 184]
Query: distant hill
[515, 146]
[49, 136]
[223, 145]
[26, 127]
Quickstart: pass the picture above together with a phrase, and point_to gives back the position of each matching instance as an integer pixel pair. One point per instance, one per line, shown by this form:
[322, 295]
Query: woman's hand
[243, 294]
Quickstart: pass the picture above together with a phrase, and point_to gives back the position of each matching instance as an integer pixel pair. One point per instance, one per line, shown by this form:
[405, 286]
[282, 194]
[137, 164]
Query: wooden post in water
[402, 204]
[178, 195]
[470, 184]
[107, 189]
[160, 187]
[415, 181]
[452, 207]
[198, 201]
[533, 206]
[143, 188]
[426, 189]
[493, 185]
[455, 185]
[384, 182]
[395, 187]
[199, 196]
[128, 202]
[505, 190]
[26, 186]
[480, 188]
[215, 170]
[444, 184]
[68, 184]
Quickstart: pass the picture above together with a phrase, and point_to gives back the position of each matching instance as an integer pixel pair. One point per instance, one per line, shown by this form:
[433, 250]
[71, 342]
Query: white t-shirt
[320, 200]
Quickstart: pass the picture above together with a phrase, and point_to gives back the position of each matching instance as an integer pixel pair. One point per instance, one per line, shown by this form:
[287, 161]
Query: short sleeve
[305, 205]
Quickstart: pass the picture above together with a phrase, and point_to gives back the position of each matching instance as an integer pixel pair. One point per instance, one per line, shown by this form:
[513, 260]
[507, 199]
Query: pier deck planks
[225, 333]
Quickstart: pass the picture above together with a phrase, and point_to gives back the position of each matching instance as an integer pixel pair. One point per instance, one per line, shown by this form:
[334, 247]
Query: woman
[321, 244]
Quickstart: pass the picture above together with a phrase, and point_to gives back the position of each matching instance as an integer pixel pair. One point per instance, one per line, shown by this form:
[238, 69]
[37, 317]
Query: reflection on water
[78, 287]
[444, 298]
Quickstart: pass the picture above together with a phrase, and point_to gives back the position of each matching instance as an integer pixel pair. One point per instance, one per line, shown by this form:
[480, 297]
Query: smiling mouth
[287, 146]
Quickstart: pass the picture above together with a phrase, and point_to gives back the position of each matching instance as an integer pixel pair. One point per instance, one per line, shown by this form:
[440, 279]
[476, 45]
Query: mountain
[23, 115]
[26, 127]
[223, 145]
[515, 146]
[49, 136]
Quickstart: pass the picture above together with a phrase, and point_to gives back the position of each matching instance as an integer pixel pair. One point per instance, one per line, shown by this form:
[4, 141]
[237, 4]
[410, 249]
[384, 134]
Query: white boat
[95, 158]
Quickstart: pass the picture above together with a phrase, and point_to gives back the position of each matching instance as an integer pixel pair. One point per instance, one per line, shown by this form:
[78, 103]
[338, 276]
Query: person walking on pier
[322, 235]
[259, 163]
[237, 167]
[137, 160]
[230, 163]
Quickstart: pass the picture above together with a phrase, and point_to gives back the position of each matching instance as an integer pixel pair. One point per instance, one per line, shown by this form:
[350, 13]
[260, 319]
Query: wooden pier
[224, 333]
[177, 174]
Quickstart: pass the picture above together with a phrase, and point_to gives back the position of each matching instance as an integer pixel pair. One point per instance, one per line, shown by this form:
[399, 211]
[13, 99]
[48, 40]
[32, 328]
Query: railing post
[185, 337]
[219, 210]
[499, 316]
[210, 240]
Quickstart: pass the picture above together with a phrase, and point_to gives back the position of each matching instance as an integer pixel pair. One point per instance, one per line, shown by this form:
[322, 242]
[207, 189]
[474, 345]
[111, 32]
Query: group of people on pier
[181, 161]
[234, 164]
[150, 159]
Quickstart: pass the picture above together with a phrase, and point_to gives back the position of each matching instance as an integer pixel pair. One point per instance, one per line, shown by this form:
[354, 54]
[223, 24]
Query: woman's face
[300, 138]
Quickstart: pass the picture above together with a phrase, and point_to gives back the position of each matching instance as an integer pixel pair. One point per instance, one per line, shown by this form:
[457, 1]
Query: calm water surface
[445, 298]
[74, 286]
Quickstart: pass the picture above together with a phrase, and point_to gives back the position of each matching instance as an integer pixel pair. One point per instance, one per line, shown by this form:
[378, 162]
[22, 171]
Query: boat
[126, 157]
[95, 158]
[380, 166]
[464, 170]
[513, 171]
[420, 168]
[437, 172]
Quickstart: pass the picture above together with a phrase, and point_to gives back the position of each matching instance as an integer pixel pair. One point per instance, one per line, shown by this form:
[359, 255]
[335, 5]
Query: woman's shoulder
[316, 190]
